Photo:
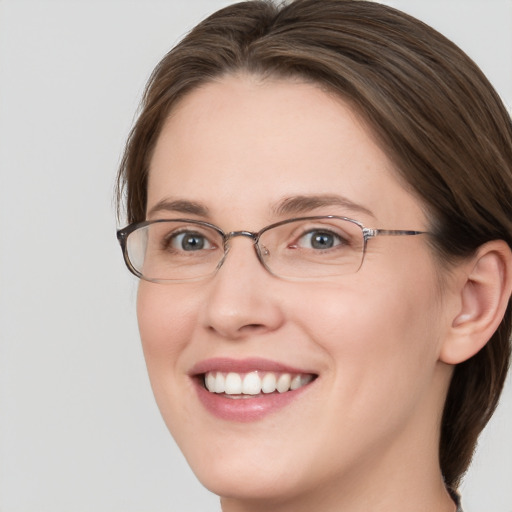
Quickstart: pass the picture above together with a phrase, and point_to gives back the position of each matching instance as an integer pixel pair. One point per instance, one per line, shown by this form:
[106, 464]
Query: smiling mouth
[254, 384]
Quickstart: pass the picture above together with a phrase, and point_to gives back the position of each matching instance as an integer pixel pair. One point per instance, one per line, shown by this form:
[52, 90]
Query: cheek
[380, 341]
[383, 315]
[166, 319]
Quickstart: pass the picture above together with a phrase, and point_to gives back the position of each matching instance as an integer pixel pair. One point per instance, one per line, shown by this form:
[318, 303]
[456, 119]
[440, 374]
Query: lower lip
[246, 409]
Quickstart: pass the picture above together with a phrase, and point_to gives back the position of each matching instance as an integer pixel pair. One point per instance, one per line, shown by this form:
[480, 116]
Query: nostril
[252, 328]
[240, 331]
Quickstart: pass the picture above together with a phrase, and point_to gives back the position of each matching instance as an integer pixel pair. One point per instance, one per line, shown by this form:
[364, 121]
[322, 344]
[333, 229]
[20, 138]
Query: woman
[351, 357]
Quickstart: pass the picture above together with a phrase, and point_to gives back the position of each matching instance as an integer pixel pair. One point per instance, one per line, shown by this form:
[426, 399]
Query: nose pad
[227, 248]
[261, 250]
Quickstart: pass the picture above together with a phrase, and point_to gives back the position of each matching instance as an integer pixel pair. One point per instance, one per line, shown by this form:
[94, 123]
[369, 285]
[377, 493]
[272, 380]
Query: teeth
[252, 383]
[296, 382]
[220, 383]
[232, 385]
[210, 381]
[268, 384]
[283, 382]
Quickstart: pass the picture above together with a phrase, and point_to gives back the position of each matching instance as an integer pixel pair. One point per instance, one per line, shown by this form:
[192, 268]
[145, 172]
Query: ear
[483, 293]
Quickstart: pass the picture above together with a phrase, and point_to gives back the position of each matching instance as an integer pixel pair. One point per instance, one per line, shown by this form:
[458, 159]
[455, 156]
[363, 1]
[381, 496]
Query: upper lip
[225, 364]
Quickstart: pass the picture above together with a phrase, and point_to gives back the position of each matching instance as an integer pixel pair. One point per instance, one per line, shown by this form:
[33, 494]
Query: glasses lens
[312, 248]
[174, 250]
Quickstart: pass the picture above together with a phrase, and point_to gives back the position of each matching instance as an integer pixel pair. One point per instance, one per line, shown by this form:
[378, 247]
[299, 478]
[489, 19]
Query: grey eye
[319, 239]
[189, 241]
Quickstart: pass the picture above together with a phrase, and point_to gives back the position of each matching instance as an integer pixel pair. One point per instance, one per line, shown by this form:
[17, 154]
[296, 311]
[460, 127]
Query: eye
[320, 239]
[189, 241]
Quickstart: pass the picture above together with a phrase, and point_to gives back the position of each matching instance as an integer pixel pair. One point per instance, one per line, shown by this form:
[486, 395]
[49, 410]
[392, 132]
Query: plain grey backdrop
[79, 430]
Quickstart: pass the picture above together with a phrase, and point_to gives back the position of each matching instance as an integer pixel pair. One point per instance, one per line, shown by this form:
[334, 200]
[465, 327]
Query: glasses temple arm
[372, 233]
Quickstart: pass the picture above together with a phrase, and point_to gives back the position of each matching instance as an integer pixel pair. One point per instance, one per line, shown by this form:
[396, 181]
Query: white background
[79, 430]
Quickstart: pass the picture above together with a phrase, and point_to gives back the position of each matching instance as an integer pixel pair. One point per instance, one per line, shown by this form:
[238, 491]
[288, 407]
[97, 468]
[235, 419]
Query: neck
[402, 499]
[400, 475]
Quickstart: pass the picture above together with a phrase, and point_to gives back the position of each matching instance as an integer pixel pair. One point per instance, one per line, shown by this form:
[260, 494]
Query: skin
[364, 435]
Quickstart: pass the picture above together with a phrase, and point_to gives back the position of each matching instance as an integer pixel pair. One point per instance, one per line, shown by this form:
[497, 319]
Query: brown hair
[434, 113]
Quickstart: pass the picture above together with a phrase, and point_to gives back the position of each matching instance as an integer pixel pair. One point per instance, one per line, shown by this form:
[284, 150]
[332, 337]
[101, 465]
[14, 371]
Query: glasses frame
[368, 233]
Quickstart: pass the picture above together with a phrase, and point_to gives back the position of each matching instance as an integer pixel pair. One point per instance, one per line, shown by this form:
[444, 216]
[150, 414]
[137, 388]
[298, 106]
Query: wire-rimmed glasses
[181, 250]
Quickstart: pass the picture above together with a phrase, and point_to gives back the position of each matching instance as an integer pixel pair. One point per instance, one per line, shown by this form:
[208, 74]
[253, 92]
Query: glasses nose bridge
[247, 234]
[233, 234]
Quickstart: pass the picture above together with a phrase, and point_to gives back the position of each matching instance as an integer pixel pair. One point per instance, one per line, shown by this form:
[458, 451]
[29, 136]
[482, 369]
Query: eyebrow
[179, 206]
[294, 205]
[306, 203]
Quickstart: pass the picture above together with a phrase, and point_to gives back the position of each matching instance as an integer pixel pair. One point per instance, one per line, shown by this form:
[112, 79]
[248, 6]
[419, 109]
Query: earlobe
[484, 292]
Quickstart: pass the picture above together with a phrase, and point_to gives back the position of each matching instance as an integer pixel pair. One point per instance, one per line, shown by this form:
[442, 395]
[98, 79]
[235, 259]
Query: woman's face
[243, 153]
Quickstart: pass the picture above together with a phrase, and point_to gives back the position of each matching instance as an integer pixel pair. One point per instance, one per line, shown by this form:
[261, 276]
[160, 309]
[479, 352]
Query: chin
[245, 467]
[260, 484]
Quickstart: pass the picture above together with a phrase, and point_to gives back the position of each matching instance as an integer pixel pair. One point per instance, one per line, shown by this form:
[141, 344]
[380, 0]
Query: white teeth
[283, 382]
[268, 384]
[251, 383]
[210, 381]
[233, 384]
[220, 383]
[296, 382]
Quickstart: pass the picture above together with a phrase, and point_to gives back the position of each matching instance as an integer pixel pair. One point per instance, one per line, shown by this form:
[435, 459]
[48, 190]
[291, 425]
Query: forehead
[244, 144]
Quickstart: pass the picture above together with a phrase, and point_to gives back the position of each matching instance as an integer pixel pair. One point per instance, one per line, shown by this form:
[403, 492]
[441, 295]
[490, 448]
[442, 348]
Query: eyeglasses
[306, 248]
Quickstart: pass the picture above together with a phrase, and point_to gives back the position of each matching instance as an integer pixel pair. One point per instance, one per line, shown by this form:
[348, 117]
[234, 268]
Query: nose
[241, 298]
